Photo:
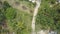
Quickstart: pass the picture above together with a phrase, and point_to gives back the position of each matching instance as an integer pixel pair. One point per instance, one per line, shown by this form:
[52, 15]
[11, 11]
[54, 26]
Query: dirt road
[38, 2]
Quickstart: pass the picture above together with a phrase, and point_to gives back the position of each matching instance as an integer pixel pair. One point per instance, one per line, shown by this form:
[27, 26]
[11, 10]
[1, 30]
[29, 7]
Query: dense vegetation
[13, 20]
[48, 17]
[19, 22]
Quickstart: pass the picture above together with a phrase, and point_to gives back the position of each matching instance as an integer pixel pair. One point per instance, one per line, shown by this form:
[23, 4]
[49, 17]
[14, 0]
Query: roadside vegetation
[13, 20]
[48, 17]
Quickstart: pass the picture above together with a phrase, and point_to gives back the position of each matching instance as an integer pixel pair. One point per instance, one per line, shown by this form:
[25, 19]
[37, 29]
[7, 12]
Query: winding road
[38, 2]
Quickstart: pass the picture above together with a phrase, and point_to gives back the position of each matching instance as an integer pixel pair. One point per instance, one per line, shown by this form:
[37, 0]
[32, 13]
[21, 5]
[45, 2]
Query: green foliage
[16, 21]
[20, 24]
[48, 17]
[6, 5]
[10, 13]
[24, 22]
[1, 14]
